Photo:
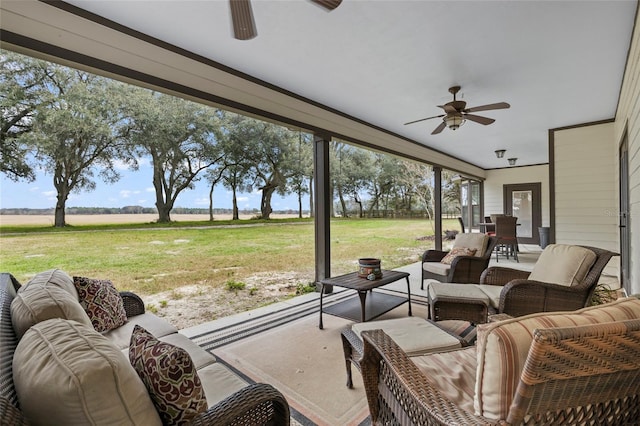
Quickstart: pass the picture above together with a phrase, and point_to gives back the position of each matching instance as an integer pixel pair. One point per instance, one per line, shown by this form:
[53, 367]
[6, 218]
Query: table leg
[363, 299]
[409, 296]
[321, 326]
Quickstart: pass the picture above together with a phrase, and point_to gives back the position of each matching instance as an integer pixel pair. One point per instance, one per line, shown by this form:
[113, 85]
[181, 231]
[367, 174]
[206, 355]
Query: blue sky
[133, 188]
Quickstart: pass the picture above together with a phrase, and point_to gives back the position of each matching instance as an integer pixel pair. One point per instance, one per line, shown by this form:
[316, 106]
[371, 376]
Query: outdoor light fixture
[512, 161]
[453, 121]
[500, 152]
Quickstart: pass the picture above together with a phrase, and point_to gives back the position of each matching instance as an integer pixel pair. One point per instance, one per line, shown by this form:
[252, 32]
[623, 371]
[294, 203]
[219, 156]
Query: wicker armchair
[464, 269]
[583, 385]
[521, 296]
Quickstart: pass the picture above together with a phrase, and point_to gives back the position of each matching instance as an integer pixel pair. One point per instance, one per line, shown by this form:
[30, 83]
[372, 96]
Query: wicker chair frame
[568, 379]
[464, 269]
[521, 296]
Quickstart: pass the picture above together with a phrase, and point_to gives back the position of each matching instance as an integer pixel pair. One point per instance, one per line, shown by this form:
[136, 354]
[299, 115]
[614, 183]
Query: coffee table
[377, 303]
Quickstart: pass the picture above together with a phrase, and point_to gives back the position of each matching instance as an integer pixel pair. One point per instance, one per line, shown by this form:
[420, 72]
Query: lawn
[152, 260]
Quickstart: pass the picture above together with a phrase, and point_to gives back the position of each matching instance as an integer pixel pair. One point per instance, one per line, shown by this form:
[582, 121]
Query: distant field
[100, 219]
[202, 271]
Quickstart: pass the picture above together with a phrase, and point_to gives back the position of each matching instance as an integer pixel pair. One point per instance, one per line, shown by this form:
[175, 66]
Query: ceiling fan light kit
[456, 113]
[454, 121]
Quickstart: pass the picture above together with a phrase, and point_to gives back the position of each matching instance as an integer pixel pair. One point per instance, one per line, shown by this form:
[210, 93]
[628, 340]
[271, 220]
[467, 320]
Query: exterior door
[523, 200]
[625, 217]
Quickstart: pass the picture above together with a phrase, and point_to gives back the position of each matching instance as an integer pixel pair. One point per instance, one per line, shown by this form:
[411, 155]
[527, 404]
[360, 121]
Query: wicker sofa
[572, 368]
[61, 371]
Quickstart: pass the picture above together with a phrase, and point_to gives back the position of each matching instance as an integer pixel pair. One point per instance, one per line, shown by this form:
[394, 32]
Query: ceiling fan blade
[328, 4]
[478, 119]
[439, 128]
[448, 108]
[244, 26]
[499, 105]
[423, 119]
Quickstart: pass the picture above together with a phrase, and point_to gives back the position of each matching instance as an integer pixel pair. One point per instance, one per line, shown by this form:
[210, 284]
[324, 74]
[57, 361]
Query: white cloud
[201, 201]
[125, 193]
[34, 189]
[243, 199]
[50, 194]
[150, 189]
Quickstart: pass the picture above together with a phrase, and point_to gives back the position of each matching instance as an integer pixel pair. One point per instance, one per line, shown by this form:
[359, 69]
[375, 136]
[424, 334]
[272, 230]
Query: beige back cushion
[66, 373]
[473, 240]
[56, 278]
[40, 302]
[503, 347]
[563, 264]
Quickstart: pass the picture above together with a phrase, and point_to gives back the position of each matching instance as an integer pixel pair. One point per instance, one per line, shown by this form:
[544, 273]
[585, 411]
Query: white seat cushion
[219, 382]
[415, 336]
[436, 268]
[492, 292]
[563, 264]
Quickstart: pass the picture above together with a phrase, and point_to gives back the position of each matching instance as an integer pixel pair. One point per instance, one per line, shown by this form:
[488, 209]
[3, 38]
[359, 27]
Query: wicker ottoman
[415, 336]
[449, 301]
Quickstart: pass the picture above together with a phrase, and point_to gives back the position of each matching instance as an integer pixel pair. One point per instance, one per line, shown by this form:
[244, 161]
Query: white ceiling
[558, 63]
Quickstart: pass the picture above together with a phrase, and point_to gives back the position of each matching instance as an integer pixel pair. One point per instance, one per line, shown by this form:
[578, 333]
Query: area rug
[307, 365]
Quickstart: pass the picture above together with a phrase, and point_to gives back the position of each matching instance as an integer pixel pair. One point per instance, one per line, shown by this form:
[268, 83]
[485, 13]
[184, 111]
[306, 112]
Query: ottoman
[415, 336]
[450, 301]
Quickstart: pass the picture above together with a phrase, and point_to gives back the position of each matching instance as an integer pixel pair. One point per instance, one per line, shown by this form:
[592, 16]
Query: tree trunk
[211, 202]
[163, 213]
[59, 213]
[62, 189]
[311, 206]
[265, 202]
[342, 203]
[299, 204]
[235, 206]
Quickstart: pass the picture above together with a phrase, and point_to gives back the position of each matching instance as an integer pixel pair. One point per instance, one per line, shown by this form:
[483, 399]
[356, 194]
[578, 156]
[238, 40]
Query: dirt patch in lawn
[196, 304]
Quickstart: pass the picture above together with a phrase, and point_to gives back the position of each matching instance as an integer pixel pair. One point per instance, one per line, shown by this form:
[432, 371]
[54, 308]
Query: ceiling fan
[244, 26]
[457, 114]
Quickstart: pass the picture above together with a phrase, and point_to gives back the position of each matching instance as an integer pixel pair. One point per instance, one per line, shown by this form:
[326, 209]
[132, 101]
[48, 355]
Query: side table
[378, 302]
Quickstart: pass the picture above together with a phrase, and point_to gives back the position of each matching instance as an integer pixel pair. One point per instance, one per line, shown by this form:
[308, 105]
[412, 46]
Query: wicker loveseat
[57, 369]
[571, 368]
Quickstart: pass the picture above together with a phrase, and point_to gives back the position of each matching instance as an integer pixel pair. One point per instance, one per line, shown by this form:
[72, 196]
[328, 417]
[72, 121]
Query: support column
[437, 206]
[322, 202]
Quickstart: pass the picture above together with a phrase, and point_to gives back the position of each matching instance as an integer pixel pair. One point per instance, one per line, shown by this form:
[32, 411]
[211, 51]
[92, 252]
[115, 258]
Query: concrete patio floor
[288, 332]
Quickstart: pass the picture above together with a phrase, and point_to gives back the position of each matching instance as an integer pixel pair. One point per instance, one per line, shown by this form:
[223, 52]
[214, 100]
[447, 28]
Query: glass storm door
[524, 202]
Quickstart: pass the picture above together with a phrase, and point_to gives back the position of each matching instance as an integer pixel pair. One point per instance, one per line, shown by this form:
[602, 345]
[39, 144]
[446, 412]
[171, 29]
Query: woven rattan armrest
[385, 365]
[496, 275]
[133, 304]
[433, 255]
[256, 404]
[10, 415]
[522, 297]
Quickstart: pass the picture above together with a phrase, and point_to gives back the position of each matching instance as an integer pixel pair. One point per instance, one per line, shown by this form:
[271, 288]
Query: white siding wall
[586, 188]
[493, 192]
[629, 115]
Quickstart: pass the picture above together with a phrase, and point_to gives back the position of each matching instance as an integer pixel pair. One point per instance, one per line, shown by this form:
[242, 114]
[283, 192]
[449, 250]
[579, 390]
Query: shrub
[235, 285]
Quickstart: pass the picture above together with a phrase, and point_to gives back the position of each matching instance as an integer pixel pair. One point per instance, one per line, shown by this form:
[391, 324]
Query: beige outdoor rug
[305, 363]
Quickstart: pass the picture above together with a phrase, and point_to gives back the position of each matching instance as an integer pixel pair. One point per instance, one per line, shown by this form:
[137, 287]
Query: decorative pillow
[66, 373]
[102, 302]
[458, 251]
[474, 240]
[170, 377]
[40, 302]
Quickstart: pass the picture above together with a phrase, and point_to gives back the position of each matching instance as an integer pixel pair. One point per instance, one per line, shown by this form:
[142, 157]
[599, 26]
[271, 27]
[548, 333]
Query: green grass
[151, 258]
